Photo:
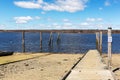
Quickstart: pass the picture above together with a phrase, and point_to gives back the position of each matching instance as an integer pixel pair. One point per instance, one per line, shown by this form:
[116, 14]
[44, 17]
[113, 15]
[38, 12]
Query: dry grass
[18, 57]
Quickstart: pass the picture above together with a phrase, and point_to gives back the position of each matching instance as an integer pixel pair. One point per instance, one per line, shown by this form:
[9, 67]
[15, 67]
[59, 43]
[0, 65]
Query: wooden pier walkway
[91, 67]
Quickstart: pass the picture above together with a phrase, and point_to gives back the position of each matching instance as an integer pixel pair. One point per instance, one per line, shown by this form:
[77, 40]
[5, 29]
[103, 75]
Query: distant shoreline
[62, 31]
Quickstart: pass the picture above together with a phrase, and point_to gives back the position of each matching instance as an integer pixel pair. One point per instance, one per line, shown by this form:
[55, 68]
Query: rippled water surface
[68, 43]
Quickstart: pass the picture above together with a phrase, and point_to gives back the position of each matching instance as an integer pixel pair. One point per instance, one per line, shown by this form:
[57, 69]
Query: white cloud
[68, 24]
[43, 12]
[90, 19]
[2, 26]
[66, 20]
[37, 17]
[55, 24]
[99, 19]
[27, 4]
[58, 5]
[22, 19]
[66, 5]
[94, 19]
[107, 3]
[84, 24]
[40, 1]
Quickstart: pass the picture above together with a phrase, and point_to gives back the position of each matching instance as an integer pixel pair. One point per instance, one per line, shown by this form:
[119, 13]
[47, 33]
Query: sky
[59, 14]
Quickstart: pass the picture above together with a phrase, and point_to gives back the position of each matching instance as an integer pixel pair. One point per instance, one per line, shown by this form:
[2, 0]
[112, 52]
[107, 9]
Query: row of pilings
[50, 42]
[99, 44]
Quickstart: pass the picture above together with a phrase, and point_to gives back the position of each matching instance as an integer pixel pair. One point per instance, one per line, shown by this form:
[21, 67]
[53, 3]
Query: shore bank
[50, 67]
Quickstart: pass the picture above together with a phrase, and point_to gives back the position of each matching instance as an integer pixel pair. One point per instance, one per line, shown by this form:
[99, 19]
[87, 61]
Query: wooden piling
[23, 41]
[97, 41]
[50, 39]
[58, 37]
[41, 40]
[100, 43]
[109, 47]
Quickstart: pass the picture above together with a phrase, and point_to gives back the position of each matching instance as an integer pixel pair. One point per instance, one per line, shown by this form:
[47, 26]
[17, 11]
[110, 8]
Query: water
[68, 43]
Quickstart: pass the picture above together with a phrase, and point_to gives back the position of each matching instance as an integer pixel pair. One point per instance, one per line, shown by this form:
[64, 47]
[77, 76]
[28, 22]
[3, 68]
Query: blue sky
[59, 14]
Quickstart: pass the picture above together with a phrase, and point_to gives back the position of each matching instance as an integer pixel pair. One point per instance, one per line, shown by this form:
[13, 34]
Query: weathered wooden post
[23, 41]
[100, 43]
[41, 40]
[58, 37]
[97, 41]
[50, 39]
[109, 47]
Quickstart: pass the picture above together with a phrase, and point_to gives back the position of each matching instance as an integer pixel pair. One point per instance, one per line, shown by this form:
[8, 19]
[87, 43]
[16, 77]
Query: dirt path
[51, 67]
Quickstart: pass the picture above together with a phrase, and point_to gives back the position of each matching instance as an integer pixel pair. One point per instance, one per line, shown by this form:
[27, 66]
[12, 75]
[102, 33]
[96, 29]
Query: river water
[68, 43]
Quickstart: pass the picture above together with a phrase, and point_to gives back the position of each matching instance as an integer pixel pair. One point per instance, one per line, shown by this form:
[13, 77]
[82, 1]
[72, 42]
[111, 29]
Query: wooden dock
[91, 67]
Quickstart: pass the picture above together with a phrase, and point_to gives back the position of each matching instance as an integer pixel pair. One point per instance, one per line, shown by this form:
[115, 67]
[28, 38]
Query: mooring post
[58, 37]
[109, 47]
[50, 39]
[97, 41]
[23, 41]
[100, 43]
[41, 40]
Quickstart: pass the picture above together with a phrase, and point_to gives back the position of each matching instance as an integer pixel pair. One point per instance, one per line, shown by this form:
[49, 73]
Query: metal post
[109, 47]
[23, 41]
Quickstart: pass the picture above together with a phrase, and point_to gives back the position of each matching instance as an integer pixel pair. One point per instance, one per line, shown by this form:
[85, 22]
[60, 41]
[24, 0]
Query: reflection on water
[68, 43]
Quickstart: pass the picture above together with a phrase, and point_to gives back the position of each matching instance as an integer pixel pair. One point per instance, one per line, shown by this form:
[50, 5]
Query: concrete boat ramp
[91, 67]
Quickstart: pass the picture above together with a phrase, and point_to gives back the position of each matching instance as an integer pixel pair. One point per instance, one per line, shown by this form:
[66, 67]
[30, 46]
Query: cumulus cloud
[57, 5]
[22, 19]
[25, 19]
[26, 4]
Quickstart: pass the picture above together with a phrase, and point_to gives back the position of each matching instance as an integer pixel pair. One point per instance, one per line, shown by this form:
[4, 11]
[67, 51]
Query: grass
[18, 57]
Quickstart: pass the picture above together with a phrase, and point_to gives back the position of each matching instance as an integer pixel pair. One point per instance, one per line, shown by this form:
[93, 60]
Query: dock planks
[91, 67]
